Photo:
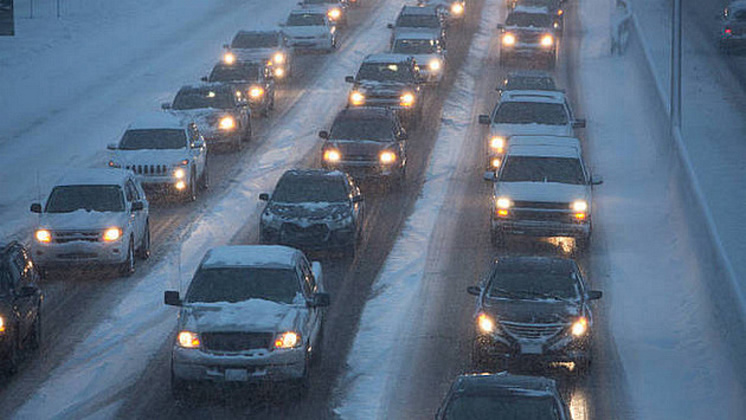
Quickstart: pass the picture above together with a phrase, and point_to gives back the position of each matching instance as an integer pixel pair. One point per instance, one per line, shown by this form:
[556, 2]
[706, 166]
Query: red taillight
[728, 31]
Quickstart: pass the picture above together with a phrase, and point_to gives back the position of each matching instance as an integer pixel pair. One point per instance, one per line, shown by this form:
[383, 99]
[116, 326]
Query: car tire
[316, 352]
[582, 366]
[144, 252]
[582, 244]
[204, 180]
[349, 252]
[552, 62]
[191, 194]
[481, 361]
[128, 266]
[503, 60]
[35, 337]
[13, 357]
[272, 101]
[303, 384]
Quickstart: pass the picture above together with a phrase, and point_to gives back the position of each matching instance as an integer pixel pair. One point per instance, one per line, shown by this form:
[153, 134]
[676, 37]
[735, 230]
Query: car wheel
[265, 110]
[481, 361]
[247, 132]
[192, 192]
[349, 252]
[272, 101]
[583, 243]
[144, 251]
[13, 357]
[35, 339]
[204, 181]
[128, 266]
[552, 62]
[304, 382]
[503, 60]
[316, 352]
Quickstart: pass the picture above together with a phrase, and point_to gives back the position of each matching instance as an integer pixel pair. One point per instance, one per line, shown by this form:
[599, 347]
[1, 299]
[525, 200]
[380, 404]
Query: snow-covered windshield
[100, 198]
[158, 139]
[305, 19]
[536, 20]
[255, 40]
[549, 4]
[199, 98]
[531, 113]
[415, 46]
[376, 129]
[309, 189]
[532, 283]
[234, 72]
[529, 83]
[542, 169]
[501, 407]
[385, 72]
[238, 284]
[418, 21]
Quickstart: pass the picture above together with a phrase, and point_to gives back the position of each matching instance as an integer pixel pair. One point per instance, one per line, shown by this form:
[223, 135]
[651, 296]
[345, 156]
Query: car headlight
[332, 155]
[256, 92]
[457, 9]
[278, 58]
[495, 163]
[2, 324]
[44, 236]
[357, 98]
[227, 123]
[229, 58]
[387, 157]
[497, 143]
[503, 203]
[406, 99]
[485, 323]
[179, 173]
[279, 72]
[508, 39]
[188, 340]
[434, 64]
[580, 205]
[113, 164]
[334, 13]
[580, 327]
[112, 234]
[287, 340]
[547, 41]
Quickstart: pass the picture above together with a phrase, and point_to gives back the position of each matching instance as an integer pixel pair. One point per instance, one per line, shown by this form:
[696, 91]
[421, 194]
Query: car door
[310, 287]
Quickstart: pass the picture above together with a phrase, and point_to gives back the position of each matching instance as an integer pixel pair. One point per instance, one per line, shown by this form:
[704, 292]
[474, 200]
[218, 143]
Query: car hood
[82, 220]
[528, 29]
[253, 315]
[358, 147]
[532, 311]
[383, 88]
[542, 191]
[168, 157]
[295, 31]
[312, 211]
[531, 129]
[424, 59]
[206, 118]
[409, 30]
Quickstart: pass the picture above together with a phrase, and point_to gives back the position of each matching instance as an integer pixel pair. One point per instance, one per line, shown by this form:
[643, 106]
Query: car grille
[77, 256]
[148, 169]
[317, 232]
[532, 331]
[65, 237]
[360, 158]
[236, 341]
[544, 216]
[528, 37]
[541, 205]
[303, 38]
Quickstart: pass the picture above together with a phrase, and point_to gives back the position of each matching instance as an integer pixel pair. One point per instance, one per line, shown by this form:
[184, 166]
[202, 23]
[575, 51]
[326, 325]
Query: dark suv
[253, 80]
[533, 309]
[366, 142]
[529, 33]
[313, 209]
[20, 304]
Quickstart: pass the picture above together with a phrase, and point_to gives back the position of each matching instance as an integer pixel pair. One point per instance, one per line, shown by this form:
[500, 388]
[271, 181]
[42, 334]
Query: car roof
[214, 86]
[417, 34]
[95, 176]
[258, 32]
[313, 10]
[276, 256]
[387, 58]
[533, 263]
[419, 10]
[551, 96]
[534, 10]
[544, 146]
[314, 173]
[156, 120]
[504, 384]
[530, 73]
[366, 112]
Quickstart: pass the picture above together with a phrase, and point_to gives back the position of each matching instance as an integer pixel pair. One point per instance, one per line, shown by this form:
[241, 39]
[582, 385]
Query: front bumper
[432, 76]
[163, 184]
[310, 43]
[564, 349]
[542, 228]
[79, 252]
[254, 366]
[368, 169]
[311, 239]
[528, 51]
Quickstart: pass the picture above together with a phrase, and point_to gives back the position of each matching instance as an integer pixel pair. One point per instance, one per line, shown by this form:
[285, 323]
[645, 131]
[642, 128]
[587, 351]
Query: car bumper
[432, 76]
[79, 252]
[566, 349]
[334, 239]
[165, 184]
[220, 137]
[528, 50]
[542, 228]
[273, 366]
[310, 44]
[363, 170]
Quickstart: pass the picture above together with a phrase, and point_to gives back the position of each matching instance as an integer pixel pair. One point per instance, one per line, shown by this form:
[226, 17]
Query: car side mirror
[36, 208]
[474, 290]
[490, 176]
[358, 198]
[595, 294]
[204, 78]
[138, 205]
[484, 119]
[264, 197]
[499, 90]
[349, 79]
[26, 292]
[390, 26]
[318, 273]
[166, 105]
[324, 134]
[112, 146]
[171, 298]
[320, 300]
[597, 180]
[579, 123]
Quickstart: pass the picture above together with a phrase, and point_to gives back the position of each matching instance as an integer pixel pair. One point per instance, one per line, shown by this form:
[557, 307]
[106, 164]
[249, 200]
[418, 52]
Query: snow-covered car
[528, 33]
[310, 29]
[553, 7]
[166, 155]
[222, 116]
[533, 308]
[366, 142]
[427, 51]
[252, 313]
[391, 81]
[543, 189]
[313, 209]
[93, 217]
[523, 112]
[266, 47]
[253, 79]
[336, 10]
[733, 26]
[422, 19]
[20, 305]
[527, 80]
[505, 396]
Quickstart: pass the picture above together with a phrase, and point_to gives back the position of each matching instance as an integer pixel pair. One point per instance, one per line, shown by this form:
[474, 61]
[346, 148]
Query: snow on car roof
[314, 172]
[533, 96]
[156, 120]
[250, 256]
[268, 31]
[312, 10]
[216, 86]
[496, 382]
[545, 146]
[537, 10]
[387, 58]
[95, 176]
[419, 10]
[417, 34]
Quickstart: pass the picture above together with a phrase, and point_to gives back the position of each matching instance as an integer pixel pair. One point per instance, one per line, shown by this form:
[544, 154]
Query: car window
[306, 19]
[204, 98]
[501, 407]
[69, 198]
[235, 72]
[310, 189]
[16, 270]
[418, 21]
[416, 46]
[382, 72]
[531, 113]
[536, 20]
[255, 40]
[308, 276]
[130, 192]
[238, 284]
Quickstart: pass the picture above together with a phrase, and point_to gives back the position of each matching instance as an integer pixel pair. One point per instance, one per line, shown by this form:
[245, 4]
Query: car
[366, 142]
[452, 10]
[314, 209]
[310, 29]
[222, 116]
[93, 217]
[165, 155]
[336, 10]
[251, 313]
[254, 80]
[524, 112]
[733, 26]
[427, 51]
[543, 189]
[388, 80]
[527, 80]
[20, 304]
[528, 33]
[533, 309]
[416, 18]
[503, 396]
[553, 7]
[267, 47]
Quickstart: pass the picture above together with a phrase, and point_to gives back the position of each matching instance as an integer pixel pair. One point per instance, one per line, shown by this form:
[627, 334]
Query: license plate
[531, 348]
[237, 375]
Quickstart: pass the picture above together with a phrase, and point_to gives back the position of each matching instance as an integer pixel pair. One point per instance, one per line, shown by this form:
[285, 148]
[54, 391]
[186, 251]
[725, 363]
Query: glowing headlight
[229, 58]
[547, 41]
[2, 324]
[580, 327]
[227, 123]
[287, 340]
[357, 98]
[188, 340]
[503, 203]
[279, 72]
[112, 234]
[279, 58]
[331, 155]
[457, 8]
[179, 173]
[44, 236]
[434, 64]
[497, 143]
[495, 163]
[113, 164]
[256, 92]
[387, 157]
[485, 323]
[334, 13]
[508, 39]
[406, 99]
[580, 205]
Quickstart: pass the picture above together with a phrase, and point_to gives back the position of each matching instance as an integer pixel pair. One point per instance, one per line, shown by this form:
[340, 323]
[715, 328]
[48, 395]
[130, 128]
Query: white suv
[165, 155]
[310, 29]
[93, 216]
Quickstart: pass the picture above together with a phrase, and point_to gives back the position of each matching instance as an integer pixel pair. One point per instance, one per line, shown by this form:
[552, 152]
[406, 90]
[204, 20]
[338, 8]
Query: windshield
[529, 83]
[415, 46]
[99, 198]
[549, 4]
[501, 407]
[196, 99]
[232, 73]
[238, 284]
[305, 19]
[542, 169]
[378, 129]
[320, 1]
[158, 139]
[533, 283]
[255, 41]
[531, 113]
[385, 72]
[309, 189]
[418, 21]
[536, 20]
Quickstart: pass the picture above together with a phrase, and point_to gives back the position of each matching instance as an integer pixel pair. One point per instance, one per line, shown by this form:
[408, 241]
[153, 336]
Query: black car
[314, 209]
[253, 80]
[527, 80]
[503, 396]
[555, 7]
[366, 142]
[533, 309]
[20, 304]
[529, 34]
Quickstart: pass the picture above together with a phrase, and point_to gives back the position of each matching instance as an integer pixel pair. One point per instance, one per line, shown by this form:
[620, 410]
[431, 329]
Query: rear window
[529, 83]
[309, 189]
